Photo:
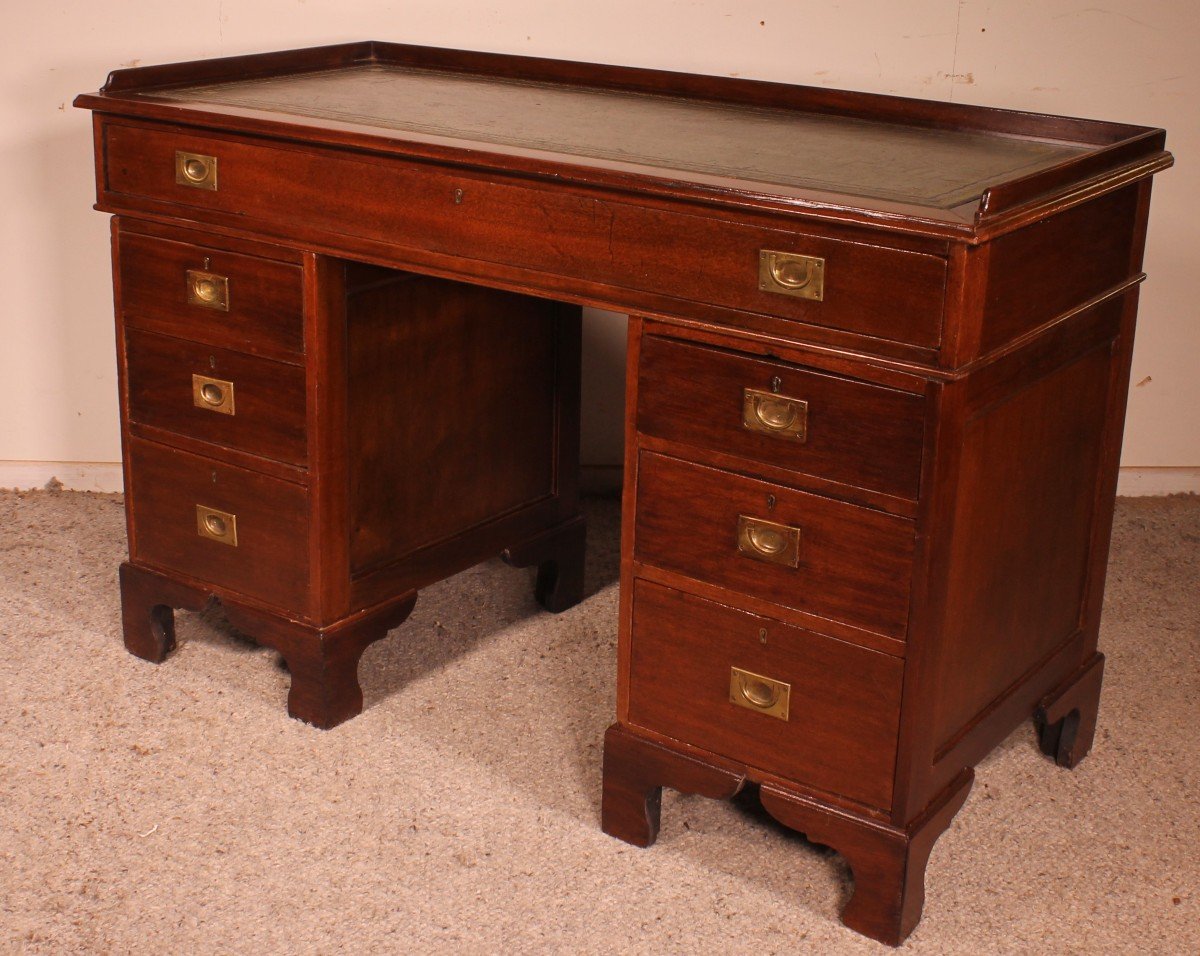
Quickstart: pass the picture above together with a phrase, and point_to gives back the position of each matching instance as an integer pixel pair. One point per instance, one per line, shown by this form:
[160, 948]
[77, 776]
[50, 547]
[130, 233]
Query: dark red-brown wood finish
[345, 469]
[877, 372]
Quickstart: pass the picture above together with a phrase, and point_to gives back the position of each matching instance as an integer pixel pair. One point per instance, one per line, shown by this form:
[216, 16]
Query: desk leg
[148, 603]
[323, 661]
[559, 556]
[636, 770]
[1066, 719]
[888, 861]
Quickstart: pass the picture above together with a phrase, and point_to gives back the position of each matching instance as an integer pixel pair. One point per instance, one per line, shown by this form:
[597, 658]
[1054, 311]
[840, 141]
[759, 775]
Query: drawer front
[872, 290]
[266, 517]
[842, 702]
[254, 405]
[177, 288]
[816, 555]
[819, 424]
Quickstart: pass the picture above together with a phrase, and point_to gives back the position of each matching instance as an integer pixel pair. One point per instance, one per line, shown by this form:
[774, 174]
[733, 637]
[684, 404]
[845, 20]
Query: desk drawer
[264, 554]
[217, 395]
[261, 311]
[841, 723]
[822, 557]
[819, 424]
[873, 290]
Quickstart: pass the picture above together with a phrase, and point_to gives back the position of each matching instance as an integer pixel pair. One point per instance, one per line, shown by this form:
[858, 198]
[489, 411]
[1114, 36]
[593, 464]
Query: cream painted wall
[1130, 60]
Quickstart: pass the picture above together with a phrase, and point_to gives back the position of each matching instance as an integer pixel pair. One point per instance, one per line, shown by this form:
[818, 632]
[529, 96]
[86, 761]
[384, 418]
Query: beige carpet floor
[177, 809]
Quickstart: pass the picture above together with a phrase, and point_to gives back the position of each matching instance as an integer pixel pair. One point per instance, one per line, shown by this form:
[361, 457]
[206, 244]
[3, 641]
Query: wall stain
[1102, 11]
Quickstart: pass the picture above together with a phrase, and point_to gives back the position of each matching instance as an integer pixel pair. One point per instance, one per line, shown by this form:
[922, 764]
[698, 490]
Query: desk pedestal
[311, 441]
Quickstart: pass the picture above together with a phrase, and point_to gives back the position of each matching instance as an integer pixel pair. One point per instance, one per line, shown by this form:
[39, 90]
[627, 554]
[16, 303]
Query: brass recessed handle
[196, 170]
[790, 273]
[772, 414]
[216, 525]
[762, 694]
[768, 541]
[207, 290]
[213, 394]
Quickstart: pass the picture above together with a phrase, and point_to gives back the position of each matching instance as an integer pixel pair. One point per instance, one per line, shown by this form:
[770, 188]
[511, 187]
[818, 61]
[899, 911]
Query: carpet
[176, 808]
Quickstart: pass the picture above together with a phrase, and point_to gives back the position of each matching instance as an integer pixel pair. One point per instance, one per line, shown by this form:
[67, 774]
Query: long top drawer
[873, 290]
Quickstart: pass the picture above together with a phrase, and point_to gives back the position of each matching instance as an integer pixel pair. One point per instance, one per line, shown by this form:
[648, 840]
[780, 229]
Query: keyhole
[207, 260]
[776, 384]
[770, 502]
[212, 362]
[458, 197]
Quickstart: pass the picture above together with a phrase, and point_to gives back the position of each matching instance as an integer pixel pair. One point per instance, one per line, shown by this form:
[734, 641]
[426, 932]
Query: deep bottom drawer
[843, 701]
[262, 524]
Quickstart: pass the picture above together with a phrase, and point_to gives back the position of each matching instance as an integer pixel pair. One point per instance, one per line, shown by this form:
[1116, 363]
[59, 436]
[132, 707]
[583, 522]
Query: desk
[877, 370]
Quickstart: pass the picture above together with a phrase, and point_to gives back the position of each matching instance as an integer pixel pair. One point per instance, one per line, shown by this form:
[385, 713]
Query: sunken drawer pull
[761, 694]
[768, 541]
[774, 414]
[216, 525]
[208, 290]
[196, 170]
[212, 394]
[788, 273]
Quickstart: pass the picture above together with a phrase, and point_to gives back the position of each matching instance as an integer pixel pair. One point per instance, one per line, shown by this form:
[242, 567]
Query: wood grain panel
[1021, 533]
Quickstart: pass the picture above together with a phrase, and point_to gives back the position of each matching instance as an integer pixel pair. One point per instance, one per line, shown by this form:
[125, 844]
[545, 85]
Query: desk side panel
[1036, 274]
[1022, 494]
[1022, 524]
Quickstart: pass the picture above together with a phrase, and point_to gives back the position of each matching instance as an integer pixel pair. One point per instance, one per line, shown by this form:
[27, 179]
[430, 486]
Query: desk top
[703, 137]
[763, 146]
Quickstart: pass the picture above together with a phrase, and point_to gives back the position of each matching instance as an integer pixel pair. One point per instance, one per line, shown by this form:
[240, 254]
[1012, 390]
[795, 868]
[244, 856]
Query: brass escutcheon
[216, 525]
[773, 414]
[207, 290]
[196, 170]
[765, 695]
[213, 394]
[790, 273]
[768, 541]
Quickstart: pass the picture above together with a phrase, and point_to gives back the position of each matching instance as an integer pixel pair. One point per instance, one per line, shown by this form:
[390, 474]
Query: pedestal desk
[877, 370]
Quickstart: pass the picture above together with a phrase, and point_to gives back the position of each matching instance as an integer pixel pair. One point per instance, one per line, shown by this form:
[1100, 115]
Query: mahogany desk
[878, 360]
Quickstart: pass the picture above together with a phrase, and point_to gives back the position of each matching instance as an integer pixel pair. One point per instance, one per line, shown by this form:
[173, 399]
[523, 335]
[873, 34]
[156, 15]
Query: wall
[1127, 61]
